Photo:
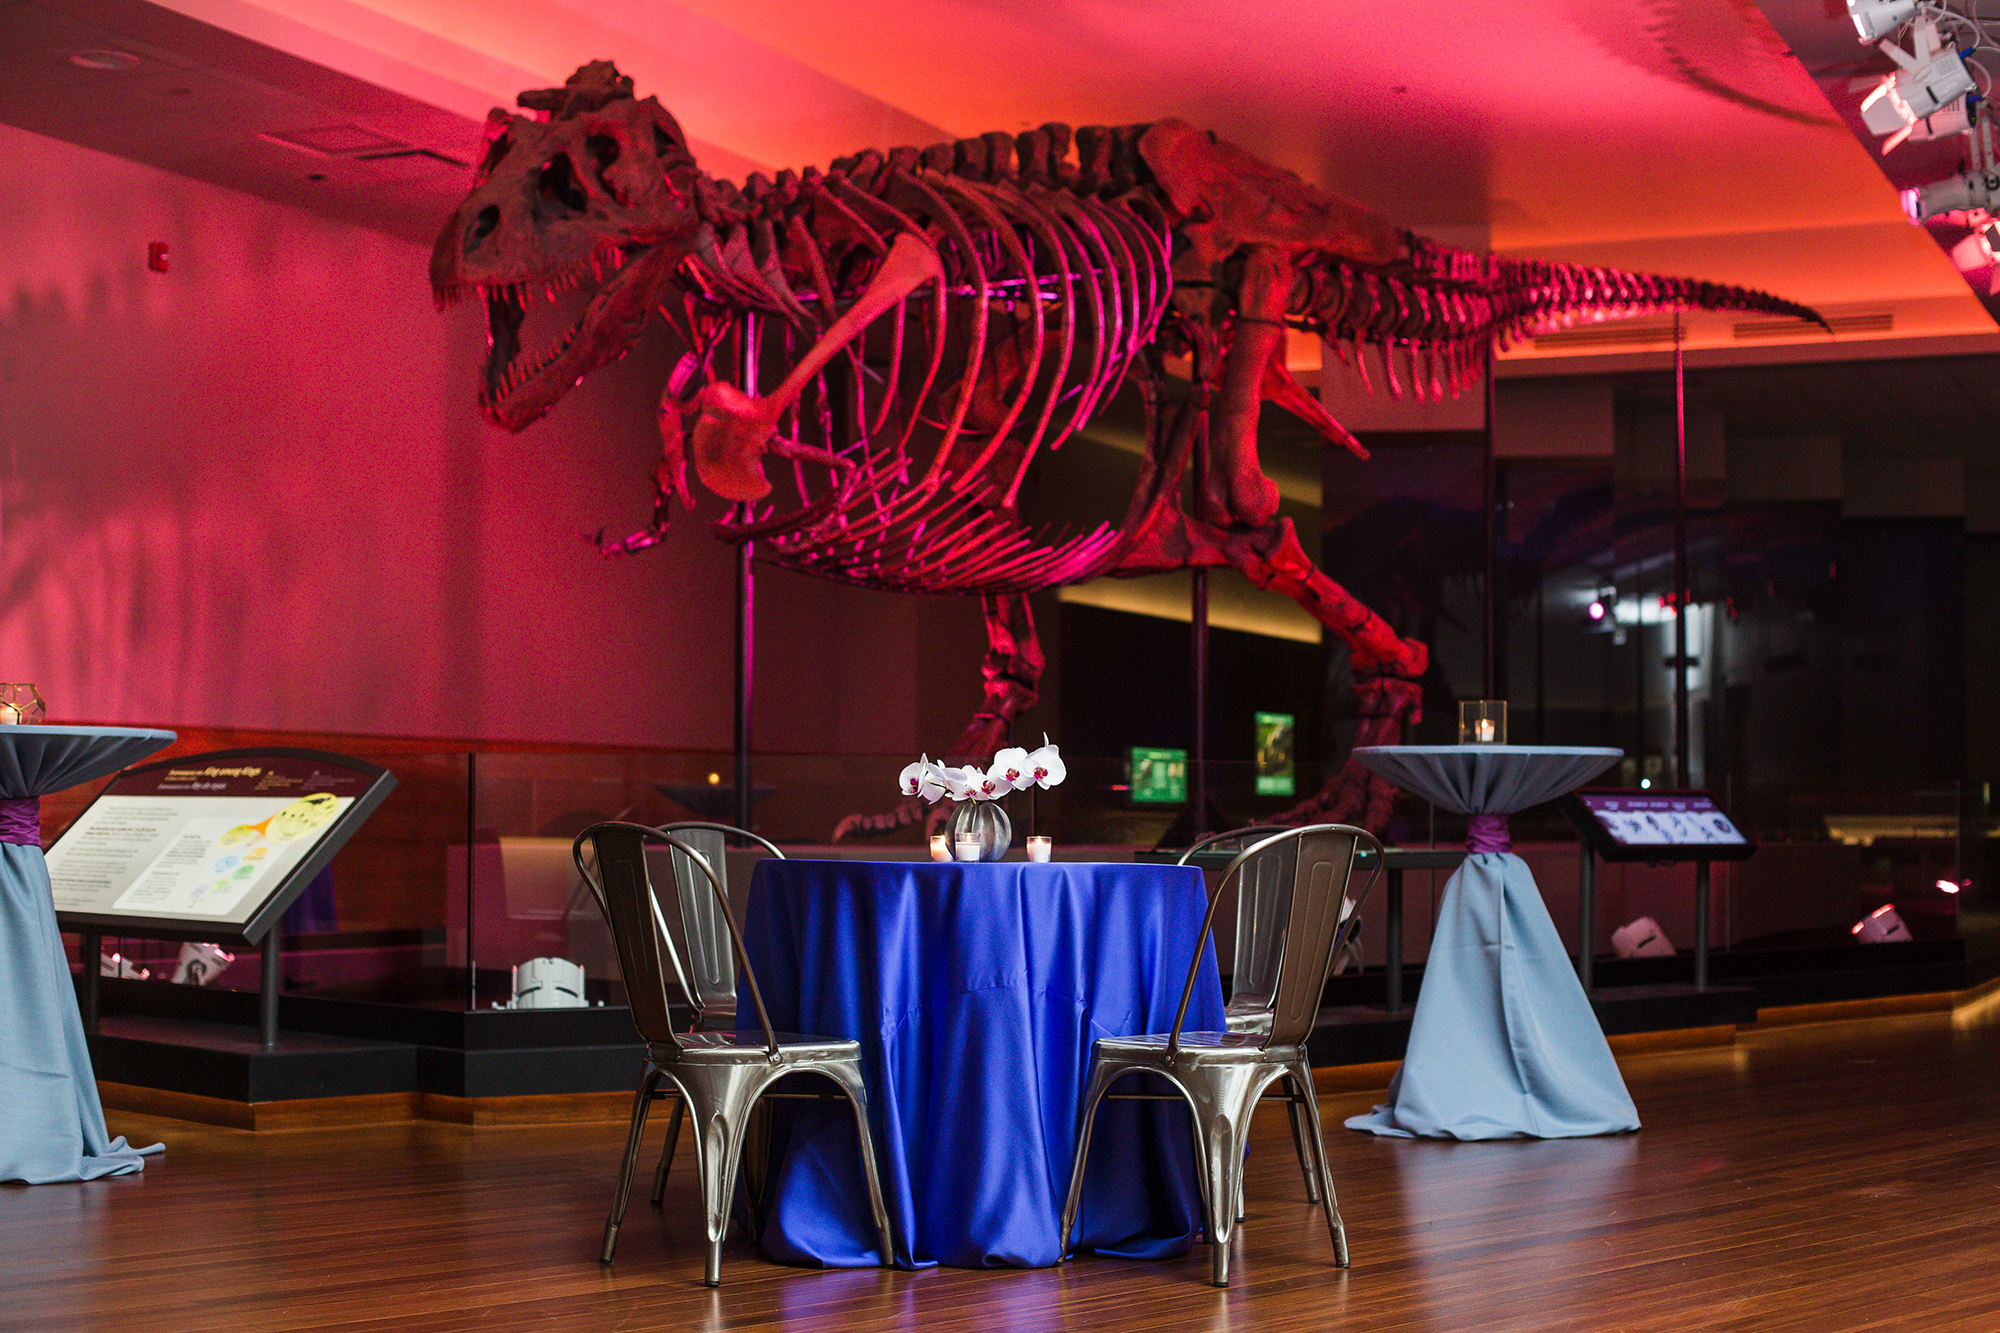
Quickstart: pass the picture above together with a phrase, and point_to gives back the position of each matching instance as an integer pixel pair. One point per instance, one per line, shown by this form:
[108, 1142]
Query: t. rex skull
[595, 187]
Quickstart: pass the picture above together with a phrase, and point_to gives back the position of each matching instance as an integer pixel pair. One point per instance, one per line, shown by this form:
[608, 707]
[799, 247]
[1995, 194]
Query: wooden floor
[1839, 1177]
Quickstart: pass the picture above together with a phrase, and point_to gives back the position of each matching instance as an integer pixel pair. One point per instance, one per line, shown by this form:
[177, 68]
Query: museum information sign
[1656, 825]
[219, 838]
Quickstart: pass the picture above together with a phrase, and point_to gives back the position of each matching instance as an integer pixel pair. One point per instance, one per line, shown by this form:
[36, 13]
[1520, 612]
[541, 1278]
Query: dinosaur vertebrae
[1053, 276]
[1443, 308]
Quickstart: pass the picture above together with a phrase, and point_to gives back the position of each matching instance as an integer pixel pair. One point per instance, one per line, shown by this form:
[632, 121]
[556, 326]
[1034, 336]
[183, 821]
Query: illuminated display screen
[1669, 819]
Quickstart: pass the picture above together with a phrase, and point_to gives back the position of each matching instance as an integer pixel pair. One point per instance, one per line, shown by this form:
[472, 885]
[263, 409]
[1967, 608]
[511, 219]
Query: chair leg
[719, 1100]
[1334, 1226]
[1103, 1074]
[1225, 1097]
[1306, 1157]
[851, 1082]
[640, 1105]
[667, 1152]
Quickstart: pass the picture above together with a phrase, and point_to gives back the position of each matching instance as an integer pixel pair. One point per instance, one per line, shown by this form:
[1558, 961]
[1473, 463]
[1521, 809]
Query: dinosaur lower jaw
[517, 387]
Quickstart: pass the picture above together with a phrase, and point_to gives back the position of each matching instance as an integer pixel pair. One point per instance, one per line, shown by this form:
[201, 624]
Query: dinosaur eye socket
[664, 144]
[559, 184]
[603, 150]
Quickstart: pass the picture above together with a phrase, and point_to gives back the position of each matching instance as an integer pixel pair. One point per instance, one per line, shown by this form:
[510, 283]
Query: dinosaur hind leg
[1387, 668]
[1012, 672]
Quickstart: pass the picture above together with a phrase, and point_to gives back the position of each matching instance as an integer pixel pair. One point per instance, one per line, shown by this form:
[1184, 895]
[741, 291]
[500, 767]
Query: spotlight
[1954, 194]
[1597, 610]
[1884, 925]
[1949, 886]
[1958, 118]
[1931, 78]
[1645, 784]
[1876, 19]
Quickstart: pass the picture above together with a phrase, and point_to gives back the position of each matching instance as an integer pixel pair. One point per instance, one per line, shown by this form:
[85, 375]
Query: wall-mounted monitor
[212, 846]
[1157, 776]
[1276, 773]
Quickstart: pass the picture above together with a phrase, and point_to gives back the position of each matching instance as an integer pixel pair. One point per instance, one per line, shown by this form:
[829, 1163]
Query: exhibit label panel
[213, 838]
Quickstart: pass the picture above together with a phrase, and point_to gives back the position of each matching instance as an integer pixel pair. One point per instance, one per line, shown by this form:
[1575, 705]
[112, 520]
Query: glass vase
[985, 823]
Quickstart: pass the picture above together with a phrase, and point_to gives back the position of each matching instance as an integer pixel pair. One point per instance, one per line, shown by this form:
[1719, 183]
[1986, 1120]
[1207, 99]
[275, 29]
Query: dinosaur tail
[1443, 308]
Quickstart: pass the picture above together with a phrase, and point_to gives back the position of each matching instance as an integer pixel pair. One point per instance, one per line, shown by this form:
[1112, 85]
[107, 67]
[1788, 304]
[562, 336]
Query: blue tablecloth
[976, 992]
[1504, 1043]
[51, 1123]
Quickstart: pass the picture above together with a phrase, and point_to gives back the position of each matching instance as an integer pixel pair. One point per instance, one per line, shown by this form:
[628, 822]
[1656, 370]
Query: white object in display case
[548, 983]
[1641, 938]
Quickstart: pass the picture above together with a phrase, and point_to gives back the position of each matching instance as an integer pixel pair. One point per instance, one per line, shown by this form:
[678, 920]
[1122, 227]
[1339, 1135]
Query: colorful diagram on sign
[212, 864]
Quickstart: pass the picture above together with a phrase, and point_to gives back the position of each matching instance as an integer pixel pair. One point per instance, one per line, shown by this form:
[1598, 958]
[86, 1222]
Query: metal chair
[721, 1075]
[701, 957]
[1263, 898]
[1221, 1075]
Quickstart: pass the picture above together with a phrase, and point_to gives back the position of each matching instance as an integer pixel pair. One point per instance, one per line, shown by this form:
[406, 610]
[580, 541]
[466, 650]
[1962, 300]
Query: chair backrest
[642, 932]
[1263, 897]
[1318, 921]
[709, 970]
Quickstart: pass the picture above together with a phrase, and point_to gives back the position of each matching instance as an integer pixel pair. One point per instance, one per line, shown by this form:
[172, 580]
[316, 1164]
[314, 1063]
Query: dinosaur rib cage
[931, 416]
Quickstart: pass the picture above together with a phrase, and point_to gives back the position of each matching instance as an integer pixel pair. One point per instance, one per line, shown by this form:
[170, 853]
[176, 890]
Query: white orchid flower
[1012, 766]
[923, 779]
[958, 782]
[1045, 766]
[987, 786]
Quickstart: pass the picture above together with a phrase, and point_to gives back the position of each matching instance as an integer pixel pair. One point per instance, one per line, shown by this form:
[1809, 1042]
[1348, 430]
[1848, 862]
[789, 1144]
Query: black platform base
[204, 1042]
[1358, 1034]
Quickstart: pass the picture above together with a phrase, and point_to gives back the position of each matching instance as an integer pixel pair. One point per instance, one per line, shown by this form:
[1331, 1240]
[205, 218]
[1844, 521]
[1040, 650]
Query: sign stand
[1658, 828]
[209, 848]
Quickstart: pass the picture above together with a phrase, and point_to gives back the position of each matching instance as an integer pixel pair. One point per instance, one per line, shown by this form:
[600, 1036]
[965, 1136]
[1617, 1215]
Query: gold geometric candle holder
[20, 703]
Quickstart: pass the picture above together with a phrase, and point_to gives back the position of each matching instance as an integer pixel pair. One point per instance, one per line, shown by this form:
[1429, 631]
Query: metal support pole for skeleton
[1681, 598]
[1586, 915]
[92, 949]
[267, 992]
[1491, 489]
[746, 615]
[1198, 626]
[1198, 755]
[1701, 924]
[1392, 975]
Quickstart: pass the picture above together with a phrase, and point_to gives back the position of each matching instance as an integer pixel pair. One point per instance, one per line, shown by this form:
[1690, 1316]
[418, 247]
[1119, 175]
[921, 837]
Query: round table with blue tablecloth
[51, 1123]
[1504, 1043]
[976, 991]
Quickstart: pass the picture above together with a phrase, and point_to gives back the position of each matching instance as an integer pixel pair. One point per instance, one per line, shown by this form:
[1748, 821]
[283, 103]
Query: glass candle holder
[940, 847]
[1039, 847]
[20, 703]
[1482, 722]
[969, 849]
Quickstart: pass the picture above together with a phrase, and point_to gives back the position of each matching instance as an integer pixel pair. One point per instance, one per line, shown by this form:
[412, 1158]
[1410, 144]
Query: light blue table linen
[1504, 1043]
[51, 1122]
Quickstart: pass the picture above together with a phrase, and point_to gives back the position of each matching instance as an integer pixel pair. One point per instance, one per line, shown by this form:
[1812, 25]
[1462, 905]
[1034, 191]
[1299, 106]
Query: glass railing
[465, 872]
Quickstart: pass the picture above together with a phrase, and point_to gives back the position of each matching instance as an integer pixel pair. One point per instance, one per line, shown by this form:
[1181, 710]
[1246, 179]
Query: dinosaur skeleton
[935, 318]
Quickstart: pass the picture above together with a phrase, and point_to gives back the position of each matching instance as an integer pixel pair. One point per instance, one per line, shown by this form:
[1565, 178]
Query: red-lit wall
[254, 492]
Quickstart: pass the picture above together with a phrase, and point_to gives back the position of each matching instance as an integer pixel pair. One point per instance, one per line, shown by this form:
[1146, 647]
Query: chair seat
[1211, 1047]
[748, 1046]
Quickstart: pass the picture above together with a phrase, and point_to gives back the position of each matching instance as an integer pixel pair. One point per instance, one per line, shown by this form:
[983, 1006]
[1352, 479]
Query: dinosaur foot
[911, 810]
[1354, 796]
